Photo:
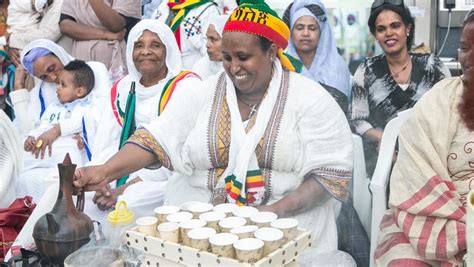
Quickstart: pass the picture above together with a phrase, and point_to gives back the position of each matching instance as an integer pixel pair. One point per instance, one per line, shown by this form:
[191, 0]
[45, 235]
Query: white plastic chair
[11, 159]
[381, 176]
[361, 195]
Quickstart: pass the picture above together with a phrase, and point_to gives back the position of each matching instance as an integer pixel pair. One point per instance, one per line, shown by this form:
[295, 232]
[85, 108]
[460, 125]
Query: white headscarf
[173, 55]
[57, 50]
[327, 67]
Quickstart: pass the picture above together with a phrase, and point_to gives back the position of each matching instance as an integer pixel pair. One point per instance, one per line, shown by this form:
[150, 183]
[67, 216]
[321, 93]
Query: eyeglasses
[379, 3]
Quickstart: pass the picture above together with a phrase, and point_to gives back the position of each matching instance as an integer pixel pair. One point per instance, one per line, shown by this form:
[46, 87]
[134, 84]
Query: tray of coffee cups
[200, 234]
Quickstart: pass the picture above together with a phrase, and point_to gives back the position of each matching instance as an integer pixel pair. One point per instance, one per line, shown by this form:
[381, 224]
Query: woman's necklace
[252, 107]
[396, 74]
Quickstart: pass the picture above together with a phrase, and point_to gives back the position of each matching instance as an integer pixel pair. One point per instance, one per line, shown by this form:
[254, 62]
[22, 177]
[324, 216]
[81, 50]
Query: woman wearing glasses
[393, 81]
[426, 222]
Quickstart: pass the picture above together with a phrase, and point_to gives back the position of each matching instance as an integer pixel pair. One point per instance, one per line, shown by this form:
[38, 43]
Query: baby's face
[67, 90]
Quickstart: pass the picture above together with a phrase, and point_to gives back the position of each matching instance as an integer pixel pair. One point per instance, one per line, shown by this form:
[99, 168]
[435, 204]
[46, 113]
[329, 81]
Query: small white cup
[249, 250]
[245, 231]
[163, 211]
[245, 212]
[222, 244]
[198, 208]
[147, 225]
[228, 223]
[169, 231]
[263, 219]
[185, 205]
[179, 217]
[212, 219]
[272, 237]
[199, 237]
[226, 208]
[289, 226]
[186, 226]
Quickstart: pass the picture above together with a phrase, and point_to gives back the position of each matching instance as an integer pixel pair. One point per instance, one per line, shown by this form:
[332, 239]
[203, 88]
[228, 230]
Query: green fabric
[259, 5]
[128, 126]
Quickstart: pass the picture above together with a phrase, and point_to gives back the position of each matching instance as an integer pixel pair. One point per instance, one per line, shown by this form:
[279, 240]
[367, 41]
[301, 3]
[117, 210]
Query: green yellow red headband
[256, 17]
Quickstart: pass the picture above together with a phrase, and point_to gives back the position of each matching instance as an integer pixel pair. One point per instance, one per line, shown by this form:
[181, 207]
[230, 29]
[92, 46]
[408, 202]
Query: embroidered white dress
[307, 133]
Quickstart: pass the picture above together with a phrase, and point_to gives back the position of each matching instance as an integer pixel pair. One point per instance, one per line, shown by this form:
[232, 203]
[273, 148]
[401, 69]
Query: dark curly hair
[402, 11]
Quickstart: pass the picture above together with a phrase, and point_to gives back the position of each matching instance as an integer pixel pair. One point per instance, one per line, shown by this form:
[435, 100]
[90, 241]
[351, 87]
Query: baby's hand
[30, 143]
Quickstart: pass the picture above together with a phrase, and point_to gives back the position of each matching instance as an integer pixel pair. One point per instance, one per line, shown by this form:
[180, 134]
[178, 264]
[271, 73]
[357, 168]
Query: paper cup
[198, 208]
[272, 237]
[226, 208]
[185, 206]
[199, 237]
[249, 250]
[212, 219]
[169, 231]
[163, 211]
[263, 219]
[245, 212]
[147, 225]
[245, 231]
[222, 244]
[228, 223]
[289, 226]
[179, 217]
[186, 226]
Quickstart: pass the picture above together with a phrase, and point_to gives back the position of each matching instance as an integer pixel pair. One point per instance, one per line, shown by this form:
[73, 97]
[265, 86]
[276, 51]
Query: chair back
[361, 195]
[381, 177]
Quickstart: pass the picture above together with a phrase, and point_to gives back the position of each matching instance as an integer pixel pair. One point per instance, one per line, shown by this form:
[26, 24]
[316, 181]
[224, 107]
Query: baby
[75, 83]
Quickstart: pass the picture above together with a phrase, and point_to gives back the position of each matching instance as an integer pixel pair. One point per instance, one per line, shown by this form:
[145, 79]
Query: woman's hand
[20, 76]
[114, 36]
[30, 143]
[91, 178]
[47, 139]
[374, 135]
[271, 208]
[14, 55]
[106, 198]
[80, 141]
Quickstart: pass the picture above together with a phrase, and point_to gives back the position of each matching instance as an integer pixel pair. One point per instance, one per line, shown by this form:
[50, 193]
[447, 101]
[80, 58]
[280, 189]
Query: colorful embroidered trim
[169, 88]
[233, 187]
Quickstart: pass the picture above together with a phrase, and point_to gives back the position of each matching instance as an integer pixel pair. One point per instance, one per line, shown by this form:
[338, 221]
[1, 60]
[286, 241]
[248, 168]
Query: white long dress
[307, 133]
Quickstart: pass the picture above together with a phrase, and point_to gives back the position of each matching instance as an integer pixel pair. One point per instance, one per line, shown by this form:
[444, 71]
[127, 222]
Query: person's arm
[20, 98]
[82, 32]
[110, 18]
[309, 194]
[129, 159]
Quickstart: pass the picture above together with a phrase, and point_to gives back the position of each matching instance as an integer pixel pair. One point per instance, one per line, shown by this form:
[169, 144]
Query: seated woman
[391, 82]
[154, 64]
[212, 63]
[313, 43]
[98, 29]
[45, 60]
[255, 118]
[426, 222]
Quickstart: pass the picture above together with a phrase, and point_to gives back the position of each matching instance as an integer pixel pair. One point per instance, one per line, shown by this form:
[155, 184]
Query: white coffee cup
[228, 223]
[169, 231]
[179, 217]
[272, 237]
[185, 205]
[226, 208]
[245, 231]
[163, 211]
[263, 219]
[199, 207]
[222, 244]
[147, 225]
[289, 226]
[186, 226]
[212, 219]
[249, 250]
[199, 237]
[245, 212]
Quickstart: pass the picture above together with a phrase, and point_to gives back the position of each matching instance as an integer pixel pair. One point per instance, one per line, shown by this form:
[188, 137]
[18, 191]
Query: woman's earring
[408, 34]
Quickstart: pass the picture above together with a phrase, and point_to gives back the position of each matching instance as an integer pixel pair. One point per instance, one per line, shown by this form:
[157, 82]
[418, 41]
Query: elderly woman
[426, 222]
[154, 64]
[212, 63]
[256, 135]
[98, 29]
[313, 43]
[45, 60]
[389, 83]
